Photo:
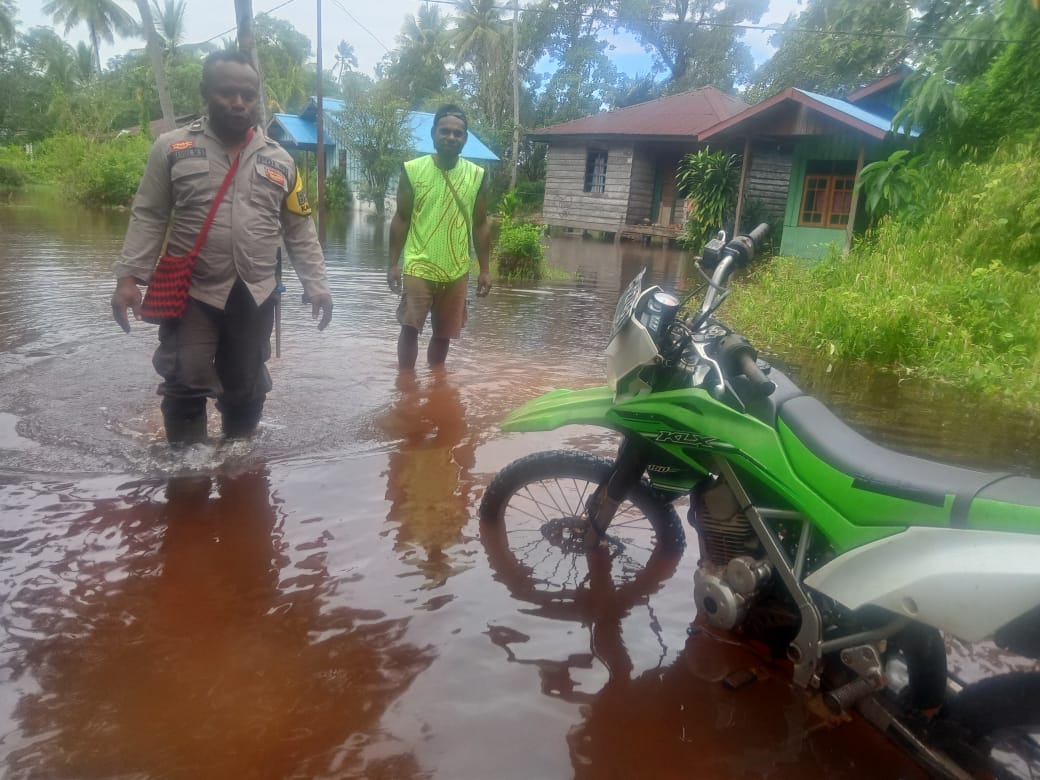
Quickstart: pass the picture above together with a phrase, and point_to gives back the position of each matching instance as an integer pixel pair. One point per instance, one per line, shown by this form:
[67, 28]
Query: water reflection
[185, 643]
[677, 717]
[428, 479]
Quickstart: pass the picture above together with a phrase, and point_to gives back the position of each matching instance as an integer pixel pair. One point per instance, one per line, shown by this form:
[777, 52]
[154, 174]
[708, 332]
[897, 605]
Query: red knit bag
[167, 295]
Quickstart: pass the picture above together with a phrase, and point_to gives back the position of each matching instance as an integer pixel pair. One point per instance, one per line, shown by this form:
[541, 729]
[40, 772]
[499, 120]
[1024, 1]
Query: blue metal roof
[882, 123]
[420, 123]
[294, 132]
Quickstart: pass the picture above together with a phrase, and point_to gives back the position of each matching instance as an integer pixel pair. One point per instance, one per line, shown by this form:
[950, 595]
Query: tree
[169, 23]
[418, 69]
[283, 53]
[7, 22]
[697, 41]
[374, 130]
[104, 20]
[154, 46]
[833, 47]
[480, 47]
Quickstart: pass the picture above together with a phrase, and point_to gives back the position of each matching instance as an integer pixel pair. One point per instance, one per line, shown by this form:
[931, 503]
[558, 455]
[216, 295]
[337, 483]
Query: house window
[596, 170]
[827, 194]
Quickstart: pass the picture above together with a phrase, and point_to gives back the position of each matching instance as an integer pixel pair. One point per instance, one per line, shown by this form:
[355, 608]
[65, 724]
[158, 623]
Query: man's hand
[393, 279]
[483, 284]
[126, 294]
[321, 303]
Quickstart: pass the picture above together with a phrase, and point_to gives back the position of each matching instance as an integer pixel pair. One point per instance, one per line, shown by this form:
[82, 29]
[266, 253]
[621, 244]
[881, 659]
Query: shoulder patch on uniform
[270, 162]
[178, 145]
[297, 200]
[275, 175]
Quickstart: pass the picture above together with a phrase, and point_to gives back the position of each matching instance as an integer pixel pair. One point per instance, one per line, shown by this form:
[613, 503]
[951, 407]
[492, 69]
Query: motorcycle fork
[628, 469]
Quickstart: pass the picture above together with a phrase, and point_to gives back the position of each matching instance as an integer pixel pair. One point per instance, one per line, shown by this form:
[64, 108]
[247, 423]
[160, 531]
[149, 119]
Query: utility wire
[353, 18]
[623, 20]
[255, 16]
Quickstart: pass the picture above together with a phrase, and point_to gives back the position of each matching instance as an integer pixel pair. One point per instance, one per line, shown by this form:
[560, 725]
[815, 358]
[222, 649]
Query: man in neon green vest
[441, 203]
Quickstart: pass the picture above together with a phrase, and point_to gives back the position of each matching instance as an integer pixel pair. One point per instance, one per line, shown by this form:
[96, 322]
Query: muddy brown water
[319, 602]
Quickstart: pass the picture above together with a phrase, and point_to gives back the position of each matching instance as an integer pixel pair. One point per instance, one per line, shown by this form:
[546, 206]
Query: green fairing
[691, 428]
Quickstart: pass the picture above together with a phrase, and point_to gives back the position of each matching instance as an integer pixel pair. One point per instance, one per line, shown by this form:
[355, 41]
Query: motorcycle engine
[732, 570]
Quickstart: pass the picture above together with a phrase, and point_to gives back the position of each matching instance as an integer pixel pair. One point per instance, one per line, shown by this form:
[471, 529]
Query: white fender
[967, 583]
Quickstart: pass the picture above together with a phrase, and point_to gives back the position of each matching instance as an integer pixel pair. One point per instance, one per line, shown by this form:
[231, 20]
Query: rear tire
[533, 524]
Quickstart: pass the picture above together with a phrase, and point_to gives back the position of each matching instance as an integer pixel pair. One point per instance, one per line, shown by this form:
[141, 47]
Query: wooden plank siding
[769, 177]
[566, 203]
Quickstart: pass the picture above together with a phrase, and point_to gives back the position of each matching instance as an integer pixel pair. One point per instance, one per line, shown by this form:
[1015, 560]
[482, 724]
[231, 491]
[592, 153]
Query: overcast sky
[370, 27]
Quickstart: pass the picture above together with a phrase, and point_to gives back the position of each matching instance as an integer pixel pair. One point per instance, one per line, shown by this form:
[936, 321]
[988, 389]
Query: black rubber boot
[185, 420]
[240, 422]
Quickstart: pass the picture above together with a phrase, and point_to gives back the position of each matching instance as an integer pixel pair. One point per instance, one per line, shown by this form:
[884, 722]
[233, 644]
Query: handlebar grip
[760, 383]
[759, 233]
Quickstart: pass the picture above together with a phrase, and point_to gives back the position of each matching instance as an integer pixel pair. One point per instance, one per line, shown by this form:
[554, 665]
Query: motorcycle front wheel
[534, 522]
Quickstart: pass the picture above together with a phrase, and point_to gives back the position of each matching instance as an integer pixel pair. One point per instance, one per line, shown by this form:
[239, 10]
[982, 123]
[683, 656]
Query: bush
[10, 177]
[109, 174]
[519, 250]
[337, 191]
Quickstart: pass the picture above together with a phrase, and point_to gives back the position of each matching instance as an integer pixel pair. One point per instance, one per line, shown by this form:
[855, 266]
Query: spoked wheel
[534, 526]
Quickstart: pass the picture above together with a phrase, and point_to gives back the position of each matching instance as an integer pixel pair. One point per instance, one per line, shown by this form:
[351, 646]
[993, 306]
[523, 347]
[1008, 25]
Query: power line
[359, 24]
[623, 20]
[268, 12]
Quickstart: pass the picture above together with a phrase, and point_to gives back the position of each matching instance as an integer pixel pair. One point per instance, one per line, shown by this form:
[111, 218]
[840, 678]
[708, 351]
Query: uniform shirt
[438, 241]
[264, 208]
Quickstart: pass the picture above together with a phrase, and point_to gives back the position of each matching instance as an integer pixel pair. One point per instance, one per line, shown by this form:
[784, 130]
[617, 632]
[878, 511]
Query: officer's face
[449, 136]
[232, 93]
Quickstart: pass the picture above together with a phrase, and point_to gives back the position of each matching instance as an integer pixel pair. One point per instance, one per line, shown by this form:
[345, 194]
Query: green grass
[952, 297]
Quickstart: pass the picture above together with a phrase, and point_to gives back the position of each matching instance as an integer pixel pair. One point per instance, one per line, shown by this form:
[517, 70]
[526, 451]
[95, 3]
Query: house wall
[566, 203]
[813, 242]
[641, 188]
[769, 178]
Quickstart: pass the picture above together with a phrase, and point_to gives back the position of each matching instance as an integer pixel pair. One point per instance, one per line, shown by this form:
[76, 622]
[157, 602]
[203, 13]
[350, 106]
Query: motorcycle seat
[879, 486]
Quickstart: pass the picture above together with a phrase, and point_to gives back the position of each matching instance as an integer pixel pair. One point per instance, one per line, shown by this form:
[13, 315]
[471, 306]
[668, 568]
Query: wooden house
[615, 171]
[819, 145]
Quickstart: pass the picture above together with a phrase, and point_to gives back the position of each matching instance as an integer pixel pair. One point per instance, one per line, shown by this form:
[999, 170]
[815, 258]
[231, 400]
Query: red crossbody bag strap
[219, 199]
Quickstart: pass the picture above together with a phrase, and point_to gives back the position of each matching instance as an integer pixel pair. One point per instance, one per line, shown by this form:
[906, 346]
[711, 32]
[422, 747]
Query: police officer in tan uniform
[219, 347]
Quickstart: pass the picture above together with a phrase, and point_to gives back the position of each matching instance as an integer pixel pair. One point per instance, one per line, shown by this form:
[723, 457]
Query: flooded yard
[320, 602]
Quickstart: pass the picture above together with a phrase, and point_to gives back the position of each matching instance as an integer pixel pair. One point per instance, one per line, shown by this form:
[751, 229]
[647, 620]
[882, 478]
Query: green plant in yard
[109, 174]
[711, 180]
[519, 251]
[951, 298]
[10, 177]
[894, 185]
[337, 191]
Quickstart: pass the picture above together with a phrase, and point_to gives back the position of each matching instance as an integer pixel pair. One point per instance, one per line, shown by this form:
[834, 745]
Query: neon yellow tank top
[437, 246]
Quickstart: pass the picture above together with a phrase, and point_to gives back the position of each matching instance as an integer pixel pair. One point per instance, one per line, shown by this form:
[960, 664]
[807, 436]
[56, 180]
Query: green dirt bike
[849, 560]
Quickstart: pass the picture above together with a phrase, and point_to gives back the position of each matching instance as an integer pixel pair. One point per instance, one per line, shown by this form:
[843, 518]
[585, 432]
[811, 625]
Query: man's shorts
[445, 302]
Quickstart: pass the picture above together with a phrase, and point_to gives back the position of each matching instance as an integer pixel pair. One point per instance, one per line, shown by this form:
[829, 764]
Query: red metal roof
[681, 116]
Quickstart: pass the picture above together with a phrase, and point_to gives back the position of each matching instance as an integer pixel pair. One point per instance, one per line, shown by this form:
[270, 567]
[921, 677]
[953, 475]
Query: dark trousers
[213, 353]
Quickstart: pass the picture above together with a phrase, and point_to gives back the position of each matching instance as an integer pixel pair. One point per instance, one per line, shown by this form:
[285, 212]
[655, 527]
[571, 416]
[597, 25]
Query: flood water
[319, 602]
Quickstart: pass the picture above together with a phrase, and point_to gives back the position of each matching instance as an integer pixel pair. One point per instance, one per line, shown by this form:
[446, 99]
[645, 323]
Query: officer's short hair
[225, 55]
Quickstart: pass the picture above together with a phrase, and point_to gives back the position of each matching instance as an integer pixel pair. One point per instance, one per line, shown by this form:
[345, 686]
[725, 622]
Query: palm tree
[104, 20]
[418, 69]
[481, 45]
[155, 54]
[6, 21]
[346, 60]
[169, 22]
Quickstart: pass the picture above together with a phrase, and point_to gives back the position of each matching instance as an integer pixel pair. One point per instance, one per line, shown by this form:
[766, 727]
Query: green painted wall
[812, 242]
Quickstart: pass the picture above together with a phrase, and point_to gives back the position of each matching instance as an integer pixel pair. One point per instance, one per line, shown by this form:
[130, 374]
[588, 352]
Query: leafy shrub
[711, 180]
[337, 190]
[894, 185]
[109, 174]
[10, 177]
[519, 250]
